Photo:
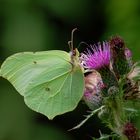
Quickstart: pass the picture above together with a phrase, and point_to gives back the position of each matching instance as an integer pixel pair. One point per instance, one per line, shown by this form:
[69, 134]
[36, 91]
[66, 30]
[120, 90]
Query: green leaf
[87, 117]
[106, 137]
[48, 81]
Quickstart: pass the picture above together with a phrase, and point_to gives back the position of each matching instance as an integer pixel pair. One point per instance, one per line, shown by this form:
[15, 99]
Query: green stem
[123, 137]
[118, 117]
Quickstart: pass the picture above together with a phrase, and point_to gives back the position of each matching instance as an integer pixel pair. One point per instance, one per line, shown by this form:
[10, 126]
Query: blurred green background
[39, 25]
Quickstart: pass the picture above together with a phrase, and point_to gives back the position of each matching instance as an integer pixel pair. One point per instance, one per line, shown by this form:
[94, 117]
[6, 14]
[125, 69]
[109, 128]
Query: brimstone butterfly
[51, 82]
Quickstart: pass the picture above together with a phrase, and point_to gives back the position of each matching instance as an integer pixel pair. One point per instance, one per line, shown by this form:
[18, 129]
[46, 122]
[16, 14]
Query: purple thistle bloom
[97, 56]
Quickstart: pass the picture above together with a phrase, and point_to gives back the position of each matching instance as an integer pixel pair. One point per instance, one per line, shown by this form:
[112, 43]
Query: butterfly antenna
[83, 43]
[70, 43]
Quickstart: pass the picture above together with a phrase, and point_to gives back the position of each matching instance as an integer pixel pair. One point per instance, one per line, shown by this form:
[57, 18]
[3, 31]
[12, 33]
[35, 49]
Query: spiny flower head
[121, 56]
[97, 56]
[93, 86]
[117, 43]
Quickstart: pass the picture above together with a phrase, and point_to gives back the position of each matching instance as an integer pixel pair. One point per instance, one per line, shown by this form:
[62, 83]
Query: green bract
[49, 82]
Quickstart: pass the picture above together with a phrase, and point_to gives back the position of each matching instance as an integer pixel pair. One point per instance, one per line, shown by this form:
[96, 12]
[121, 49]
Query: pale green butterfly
[51, 82]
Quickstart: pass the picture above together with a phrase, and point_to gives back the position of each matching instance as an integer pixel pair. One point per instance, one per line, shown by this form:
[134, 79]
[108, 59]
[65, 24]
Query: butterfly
[51, 82]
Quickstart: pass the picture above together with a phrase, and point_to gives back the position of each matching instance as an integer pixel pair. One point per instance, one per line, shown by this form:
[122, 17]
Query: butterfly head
[74, 53]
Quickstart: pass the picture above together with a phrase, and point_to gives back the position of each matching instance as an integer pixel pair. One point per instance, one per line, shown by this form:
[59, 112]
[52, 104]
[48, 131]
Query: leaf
[48, 81]
[87, 117]
[106, 136]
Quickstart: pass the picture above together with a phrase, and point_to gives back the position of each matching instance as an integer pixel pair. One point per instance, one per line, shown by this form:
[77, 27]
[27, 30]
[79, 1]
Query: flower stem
[117, 116]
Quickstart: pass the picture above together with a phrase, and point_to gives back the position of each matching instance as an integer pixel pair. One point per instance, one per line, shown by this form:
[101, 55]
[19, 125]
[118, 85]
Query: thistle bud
[117, 43]
[132, 85]
[93, 86]
[130, 131]
[113, 91]
[121, 56]
[134, 73]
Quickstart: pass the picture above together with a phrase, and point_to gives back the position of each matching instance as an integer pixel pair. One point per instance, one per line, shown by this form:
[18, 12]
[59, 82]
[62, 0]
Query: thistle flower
[92, 94]
[97, 56]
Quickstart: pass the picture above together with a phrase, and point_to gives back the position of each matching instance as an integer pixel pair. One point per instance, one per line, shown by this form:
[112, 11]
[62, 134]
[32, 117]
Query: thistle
[121, 56]
[110, 82]
[93, 86]
[98, 57]
[132, 86]
[130, 131]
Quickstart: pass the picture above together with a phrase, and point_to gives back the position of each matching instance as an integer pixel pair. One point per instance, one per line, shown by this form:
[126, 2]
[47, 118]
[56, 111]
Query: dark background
[39, 25]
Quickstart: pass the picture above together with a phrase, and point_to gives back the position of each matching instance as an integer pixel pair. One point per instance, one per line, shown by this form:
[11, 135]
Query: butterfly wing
[46, 80]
